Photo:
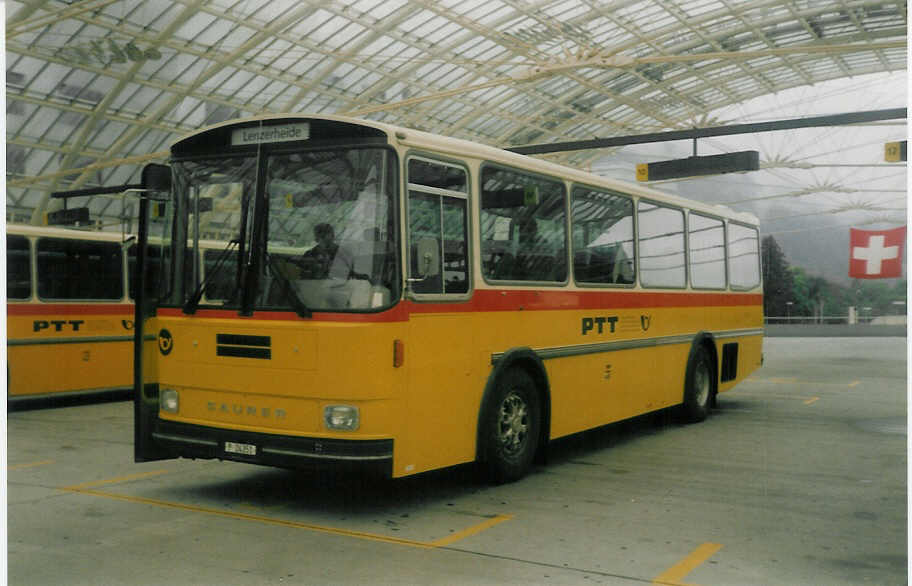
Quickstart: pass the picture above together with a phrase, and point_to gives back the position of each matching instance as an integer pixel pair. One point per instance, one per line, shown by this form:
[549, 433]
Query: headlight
[341, 417]
[168, 401]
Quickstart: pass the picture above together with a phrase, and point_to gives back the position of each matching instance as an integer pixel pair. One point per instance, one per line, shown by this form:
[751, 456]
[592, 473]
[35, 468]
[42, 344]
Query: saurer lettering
[246, 410]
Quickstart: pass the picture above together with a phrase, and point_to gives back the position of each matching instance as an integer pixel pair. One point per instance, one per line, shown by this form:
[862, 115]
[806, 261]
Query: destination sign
[265, 134]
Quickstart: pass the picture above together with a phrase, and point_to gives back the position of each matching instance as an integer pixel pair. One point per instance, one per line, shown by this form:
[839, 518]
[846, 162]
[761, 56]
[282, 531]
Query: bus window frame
[406, 239]
[267, 150]
[133, 245]
[568, 259]
[264, 151]
[725, 286]
[32, 270]
[683, 211]
[121, 268]
[635, 242]
[759, 252]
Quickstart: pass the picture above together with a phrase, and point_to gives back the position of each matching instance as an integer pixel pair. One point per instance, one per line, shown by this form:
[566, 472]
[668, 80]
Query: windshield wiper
[300, 308]
[192, 302]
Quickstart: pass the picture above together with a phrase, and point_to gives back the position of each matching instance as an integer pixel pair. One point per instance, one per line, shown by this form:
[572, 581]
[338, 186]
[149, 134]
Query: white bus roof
[456, 147]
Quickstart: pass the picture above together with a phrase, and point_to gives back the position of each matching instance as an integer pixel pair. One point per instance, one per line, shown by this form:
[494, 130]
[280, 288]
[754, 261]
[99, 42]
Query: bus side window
[661, 245]
[535, 249]
[743, 256]
[18, 275]
[438, 198]
[79, 269]
[153, 271]
[706, 243]
[602, 237]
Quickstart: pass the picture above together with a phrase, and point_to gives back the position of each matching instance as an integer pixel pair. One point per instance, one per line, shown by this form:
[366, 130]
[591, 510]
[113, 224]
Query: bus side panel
[615, 381]
[45, 354]
[69, 367]
[443, 395]
[596, 389]
[749, 358]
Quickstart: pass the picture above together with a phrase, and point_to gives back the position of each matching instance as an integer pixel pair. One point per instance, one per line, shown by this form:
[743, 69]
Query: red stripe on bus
[487, 300]
[69, 309]
[397, 313]
[540, 300]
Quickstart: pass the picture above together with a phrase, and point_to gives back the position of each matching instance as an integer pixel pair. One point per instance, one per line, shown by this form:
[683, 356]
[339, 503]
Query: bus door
[441, 394]
[156, 182]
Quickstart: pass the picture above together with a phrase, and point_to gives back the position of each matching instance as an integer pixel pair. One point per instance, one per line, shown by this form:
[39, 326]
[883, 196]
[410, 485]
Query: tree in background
[816, 297]
[791, 291]
[873, 298]
[777, 279]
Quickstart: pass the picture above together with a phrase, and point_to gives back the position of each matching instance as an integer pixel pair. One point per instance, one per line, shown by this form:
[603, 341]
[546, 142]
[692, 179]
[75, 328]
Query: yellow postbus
[412, 301]
[70, 310]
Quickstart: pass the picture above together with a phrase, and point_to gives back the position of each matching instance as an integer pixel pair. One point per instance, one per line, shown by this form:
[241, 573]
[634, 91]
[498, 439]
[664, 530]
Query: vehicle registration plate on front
[245, 449]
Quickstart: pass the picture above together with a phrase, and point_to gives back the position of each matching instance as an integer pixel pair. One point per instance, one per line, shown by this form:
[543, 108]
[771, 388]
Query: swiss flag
[876, 254]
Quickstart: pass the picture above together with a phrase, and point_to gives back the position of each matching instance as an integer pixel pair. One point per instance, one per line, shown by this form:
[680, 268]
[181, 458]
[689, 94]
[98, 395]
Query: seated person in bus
[316, 262]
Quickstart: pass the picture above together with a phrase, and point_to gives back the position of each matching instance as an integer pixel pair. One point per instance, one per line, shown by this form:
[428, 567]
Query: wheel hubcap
[702, 384]
[513, 424]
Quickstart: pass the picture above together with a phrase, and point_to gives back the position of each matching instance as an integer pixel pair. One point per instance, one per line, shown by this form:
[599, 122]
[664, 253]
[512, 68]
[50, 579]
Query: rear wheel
[699, 386]
[511, 424]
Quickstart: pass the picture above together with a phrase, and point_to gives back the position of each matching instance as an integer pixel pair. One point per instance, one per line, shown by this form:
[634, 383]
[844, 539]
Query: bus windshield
[282, 231]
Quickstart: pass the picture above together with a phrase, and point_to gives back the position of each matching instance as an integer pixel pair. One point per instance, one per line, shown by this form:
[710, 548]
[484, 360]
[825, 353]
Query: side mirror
[428, 251]
[157, 177]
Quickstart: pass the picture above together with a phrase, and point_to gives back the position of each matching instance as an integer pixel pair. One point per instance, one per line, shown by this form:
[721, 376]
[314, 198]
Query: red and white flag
[876, 254]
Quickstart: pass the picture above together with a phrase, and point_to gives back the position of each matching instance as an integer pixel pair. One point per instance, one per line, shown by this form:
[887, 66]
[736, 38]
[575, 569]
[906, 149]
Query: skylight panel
[199, 29]
[563, 12]
[317, 27]
[251, 91]
[379, 9]
[274, 97]
[345, 35]
[107, 133]
[489, 13]
[134, 99]
[189, 112]
[694, 9]
[421, 23]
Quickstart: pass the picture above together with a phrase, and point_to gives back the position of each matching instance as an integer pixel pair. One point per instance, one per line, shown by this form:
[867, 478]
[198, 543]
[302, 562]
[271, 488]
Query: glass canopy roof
[96, 88]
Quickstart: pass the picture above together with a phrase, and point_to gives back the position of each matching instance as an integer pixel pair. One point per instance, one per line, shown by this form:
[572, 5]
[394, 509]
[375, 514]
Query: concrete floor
[799, 477]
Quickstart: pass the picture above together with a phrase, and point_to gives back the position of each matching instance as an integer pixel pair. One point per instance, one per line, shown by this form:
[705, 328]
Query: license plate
[236, 448]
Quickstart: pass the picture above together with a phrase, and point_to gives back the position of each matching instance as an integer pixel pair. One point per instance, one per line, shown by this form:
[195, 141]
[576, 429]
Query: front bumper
[195, 441]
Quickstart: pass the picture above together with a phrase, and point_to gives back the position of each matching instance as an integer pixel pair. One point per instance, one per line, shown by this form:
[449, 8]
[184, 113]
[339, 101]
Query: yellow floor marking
[30, 465]
[677, 572]
[459, 535]
[79, 487]
[795, 381]
[249, 517]
[85, 488]
[812, 400]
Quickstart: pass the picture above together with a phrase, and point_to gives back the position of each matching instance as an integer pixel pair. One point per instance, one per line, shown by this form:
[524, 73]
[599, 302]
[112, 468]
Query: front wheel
[699, 386]
[511, 423]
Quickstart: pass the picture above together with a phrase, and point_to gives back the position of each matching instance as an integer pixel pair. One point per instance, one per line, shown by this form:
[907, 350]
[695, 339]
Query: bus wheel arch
[518, 384]
[701, 379]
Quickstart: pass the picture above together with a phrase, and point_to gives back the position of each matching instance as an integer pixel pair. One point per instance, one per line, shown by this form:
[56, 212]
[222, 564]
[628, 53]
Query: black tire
[699, 386]
[511, 427]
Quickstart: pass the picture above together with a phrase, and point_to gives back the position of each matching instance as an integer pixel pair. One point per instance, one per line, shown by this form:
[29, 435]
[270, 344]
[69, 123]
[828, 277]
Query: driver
[319, 259]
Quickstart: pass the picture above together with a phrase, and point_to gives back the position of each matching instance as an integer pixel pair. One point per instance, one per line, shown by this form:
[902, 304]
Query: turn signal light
[398, 353]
